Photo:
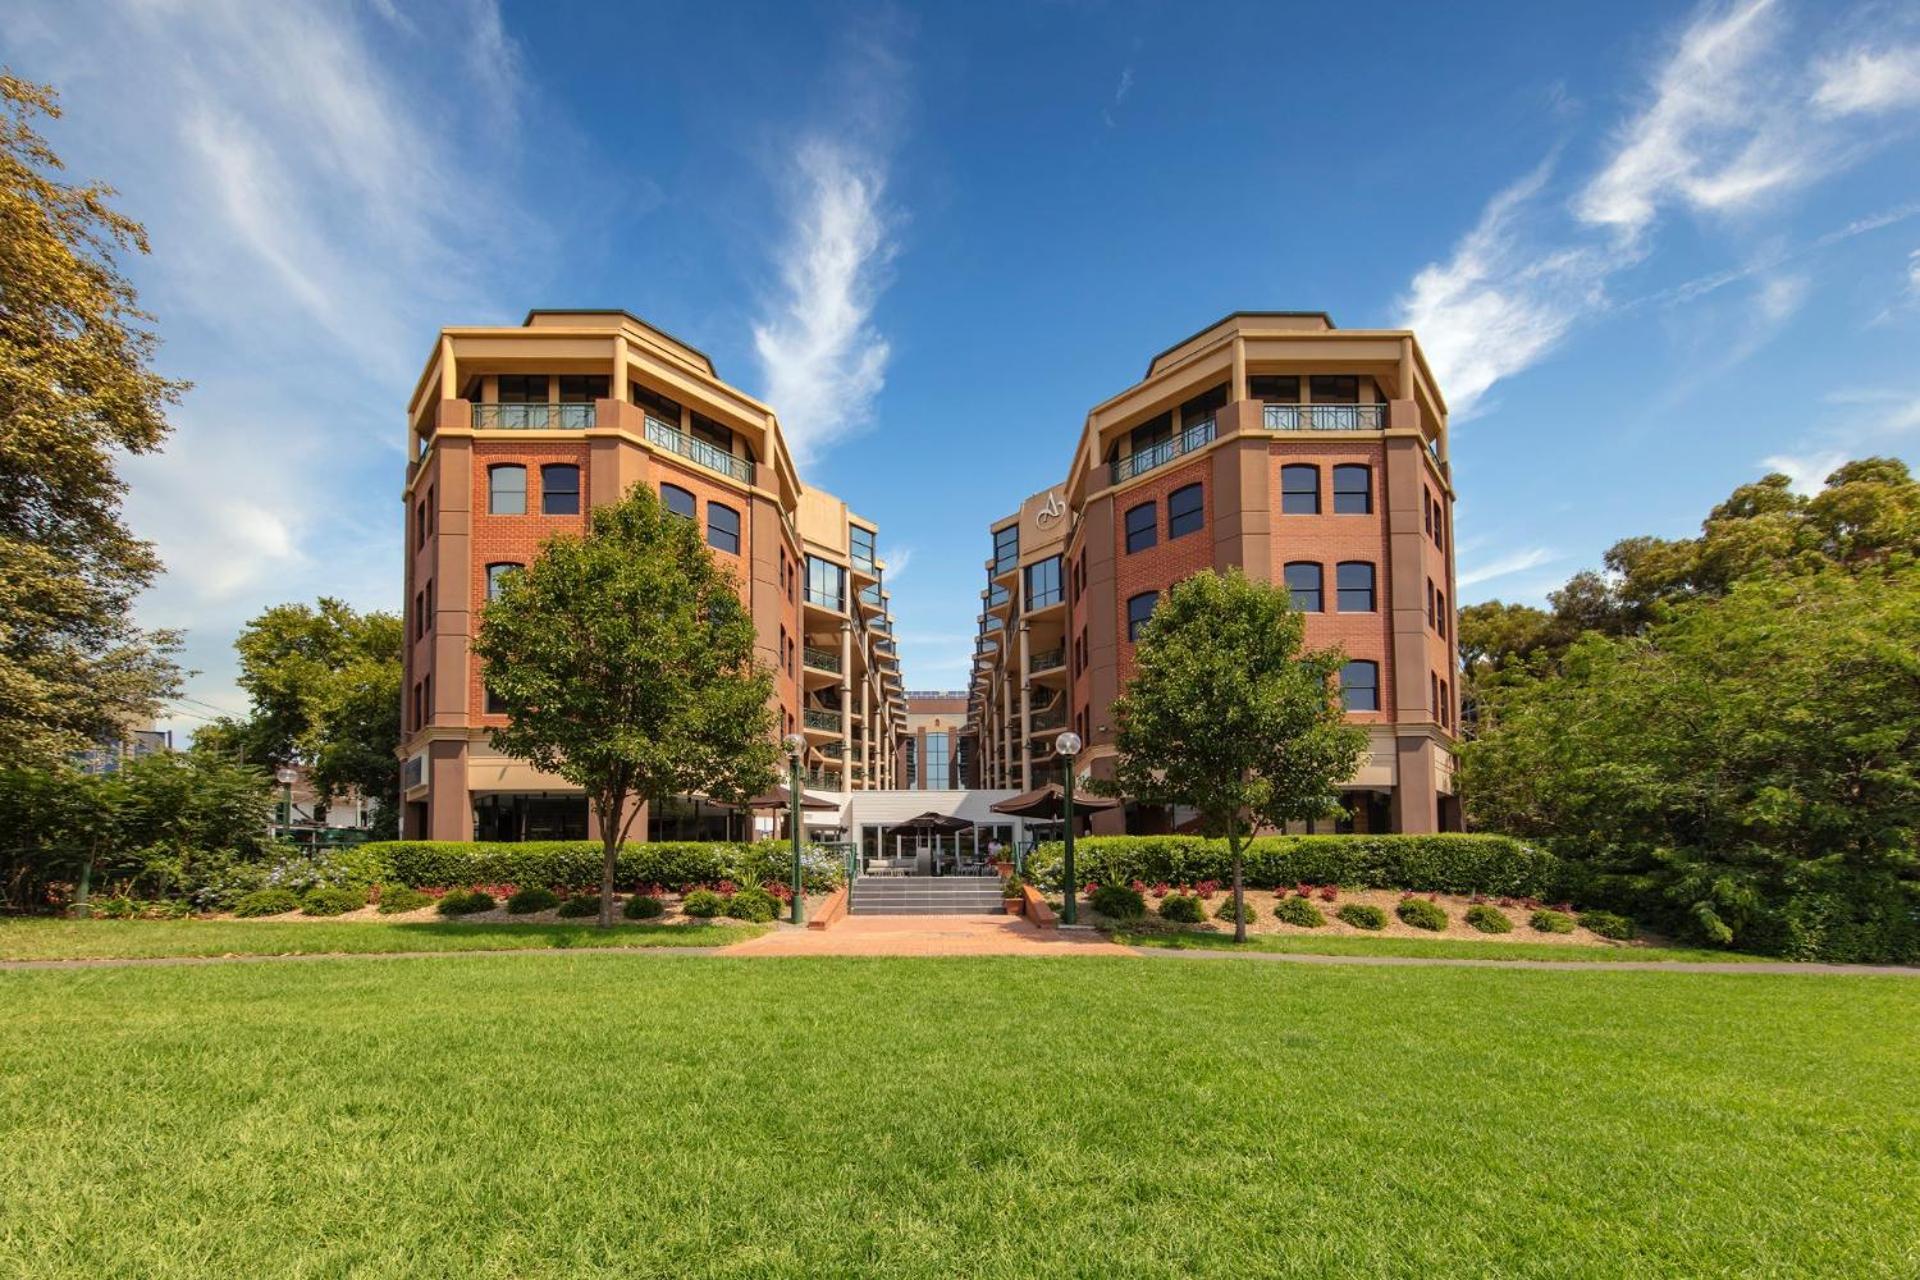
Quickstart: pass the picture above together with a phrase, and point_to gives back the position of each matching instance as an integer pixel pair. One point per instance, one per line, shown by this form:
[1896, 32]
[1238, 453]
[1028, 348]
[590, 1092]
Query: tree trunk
[1239, 883]
[609, 851]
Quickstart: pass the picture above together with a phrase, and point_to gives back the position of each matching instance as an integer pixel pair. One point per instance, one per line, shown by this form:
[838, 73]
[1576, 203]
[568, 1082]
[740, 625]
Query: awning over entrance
[1048, 803]
[929, 823]
[782, 798]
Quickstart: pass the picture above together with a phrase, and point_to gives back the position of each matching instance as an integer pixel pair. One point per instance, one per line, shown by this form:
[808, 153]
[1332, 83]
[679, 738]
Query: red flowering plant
[1330, 893]
[1093, 887]
[1206, 889]
[1303, 890]
[779, 889]
[726, 888]
[1161, 890]
[1140, 886]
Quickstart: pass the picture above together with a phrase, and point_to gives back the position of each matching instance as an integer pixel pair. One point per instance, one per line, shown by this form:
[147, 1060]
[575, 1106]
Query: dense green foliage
[640, 906]
[1609, 925]
[625, 662]
[1488, 919]
[398, 898]
[703, 904]
[77, 392]
[332, 902]
[526, 901]
[581, 905]
[575, 864]
[1298, 911]
[1235, 909]
[1118, 902]
[756, 905]
[1551, 922]
[1723, 738]
[1421, 914]
[1228, 713]
[1362, 916]
[267, 902]
[464, 902]
[1423, 864]
[1182, 908]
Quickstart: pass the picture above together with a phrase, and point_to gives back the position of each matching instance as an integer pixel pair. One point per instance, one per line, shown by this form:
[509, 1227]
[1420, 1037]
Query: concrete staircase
[926, 896]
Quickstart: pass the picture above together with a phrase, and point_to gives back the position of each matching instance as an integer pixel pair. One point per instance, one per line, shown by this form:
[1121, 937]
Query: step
[941, 910]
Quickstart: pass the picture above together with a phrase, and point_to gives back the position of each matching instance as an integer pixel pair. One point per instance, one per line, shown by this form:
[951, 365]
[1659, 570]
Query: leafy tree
[325, 687]
[625, 662]
[75, 388]
[1747, 769]
[1227, 713]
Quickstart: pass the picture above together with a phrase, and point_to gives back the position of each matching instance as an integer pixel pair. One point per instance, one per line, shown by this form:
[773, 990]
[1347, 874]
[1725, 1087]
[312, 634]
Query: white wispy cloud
[897, 558]
[1867, 81]
[1808, 472]
[1515, 562]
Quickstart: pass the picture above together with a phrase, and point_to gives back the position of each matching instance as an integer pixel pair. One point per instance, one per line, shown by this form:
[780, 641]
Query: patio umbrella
[930, 822]
[1048, 803]
[780, 798]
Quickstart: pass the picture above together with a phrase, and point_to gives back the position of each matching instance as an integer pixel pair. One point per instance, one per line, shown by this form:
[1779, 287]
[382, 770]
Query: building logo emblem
[1050, 511]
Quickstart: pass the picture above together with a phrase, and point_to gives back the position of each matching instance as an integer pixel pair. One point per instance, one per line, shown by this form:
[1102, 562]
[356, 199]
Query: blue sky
[1653, 251]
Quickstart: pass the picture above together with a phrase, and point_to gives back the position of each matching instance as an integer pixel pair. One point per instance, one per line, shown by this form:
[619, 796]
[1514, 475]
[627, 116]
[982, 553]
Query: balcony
[1052, 718]
[533, 417]
[1325, 417]
[826, 599]
[1194, 438]
[1048, 660]
[698, 452]
[820, 659]
[823, 720]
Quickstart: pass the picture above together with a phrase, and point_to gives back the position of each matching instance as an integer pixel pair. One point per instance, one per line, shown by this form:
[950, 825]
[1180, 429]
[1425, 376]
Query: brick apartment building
[1303, 454]
[514, 433]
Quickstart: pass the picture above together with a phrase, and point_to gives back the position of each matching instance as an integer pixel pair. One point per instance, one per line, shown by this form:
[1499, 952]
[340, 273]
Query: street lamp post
[1067, 746]
[795, 744]
[285, 776]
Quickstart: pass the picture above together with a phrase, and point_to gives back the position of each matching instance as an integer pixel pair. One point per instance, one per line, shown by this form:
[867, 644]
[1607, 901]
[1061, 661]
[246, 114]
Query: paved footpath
[929, 936]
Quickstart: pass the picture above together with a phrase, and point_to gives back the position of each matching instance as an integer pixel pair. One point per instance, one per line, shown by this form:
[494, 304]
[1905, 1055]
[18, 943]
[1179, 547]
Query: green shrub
[1181, 908]
[397, 898]
[1225, 911]
[1609, 925]
[1441, 863]
[1422, 914]
[582, 905]
[1488, 918]
[1362, 916]
[755, 905]
[267, 902]
[464, 902]
[1298, 911]
[1118, 902]
[641, 906]
[550, 862]
[114, 906]
[703, 904]
[523, 902]
[1551, 921]
[332, 902]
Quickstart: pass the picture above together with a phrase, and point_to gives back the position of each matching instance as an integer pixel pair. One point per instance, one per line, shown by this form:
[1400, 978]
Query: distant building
[133, 744]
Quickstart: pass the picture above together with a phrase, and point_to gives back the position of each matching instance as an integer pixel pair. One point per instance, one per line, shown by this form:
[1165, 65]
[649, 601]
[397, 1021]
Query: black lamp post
[795, 744]
[1067, 746]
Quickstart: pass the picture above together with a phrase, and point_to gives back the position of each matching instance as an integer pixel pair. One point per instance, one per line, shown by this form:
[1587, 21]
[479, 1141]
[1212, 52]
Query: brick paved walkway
[928, 936]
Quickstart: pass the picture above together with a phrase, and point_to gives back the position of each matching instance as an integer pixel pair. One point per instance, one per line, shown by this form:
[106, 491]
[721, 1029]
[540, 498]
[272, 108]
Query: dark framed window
[1334, 388]
[662, 407]
[1043, 583]
[492, 704]
[1429, 504]
[1006, 548]
[1431, 612]
[497, 576]
[1352, 490]
[1155, 431]
[1360, 685]
[1300, 490]
[523, 388]
[582, 388]
[1203, 406]
[860, 541]
[1142, 527]
[705, 428]
[1186, 511]
[826, 583]
[723, 528]
[1139, 610]
[507, 491]
[1353, 580]
[1439, 612]
[420, 525]
[560, 490]
[1274, 389]
[1304, 585]
[677, 500]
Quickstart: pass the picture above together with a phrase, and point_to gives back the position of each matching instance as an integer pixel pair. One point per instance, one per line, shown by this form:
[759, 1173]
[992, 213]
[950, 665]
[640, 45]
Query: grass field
[49, 939]
[567, 1115]
[1438, 948]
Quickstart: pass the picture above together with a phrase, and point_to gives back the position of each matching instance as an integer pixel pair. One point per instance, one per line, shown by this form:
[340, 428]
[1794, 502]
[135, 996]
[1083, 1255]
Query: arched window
[1360, 685]
[1303, 583]
[1142, 527]
[1186, 511]
[1300, 490]
[497, 575]
[1353, 580]
[507, 491]
[1352, 490]
[1139, 609]
[560, 490]
[677, 500]
[723, 528]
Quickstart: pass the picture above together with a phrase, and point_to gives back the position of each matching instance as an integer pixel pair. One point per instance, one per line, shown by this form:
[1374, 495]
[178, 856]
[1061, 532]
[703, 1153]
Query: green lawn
[601, 1115]
[1438, 948]
[49, 939]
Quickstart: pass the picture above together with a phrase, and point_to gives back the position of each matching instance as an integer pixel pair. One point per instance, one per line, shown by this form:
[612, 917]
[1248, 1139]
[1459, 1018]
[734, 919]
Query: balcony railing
[1198, 436]
[827, 599]
[820, 659]
[815, 718]
[1049, 660]
[698, 451]
[1044, 720]
[533, 417]
[1326, 417]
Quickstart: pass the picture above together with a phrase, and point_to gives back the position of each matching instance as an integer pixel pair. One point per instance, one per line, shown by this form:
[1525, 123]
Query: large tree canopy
[625, 661]
[1228, 713]
[75, 388]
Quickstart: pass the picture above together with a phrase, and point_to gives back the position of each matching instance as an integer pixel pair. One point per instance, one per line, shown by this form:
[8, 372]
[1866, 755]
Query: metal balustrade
[533, 417]
[698, 451]
[1325, 417]
[1049, 660]
[821, 659]
[816, 718]
[1195, 437]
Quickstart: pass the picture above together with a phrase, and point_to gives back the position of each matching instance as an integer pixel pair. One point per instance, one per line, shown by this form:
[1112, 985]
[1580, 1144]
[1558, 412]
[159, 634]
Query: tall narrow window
[1043, 583]
[1352, 490]
[1139, 610]
[1006, 548]
[1142, 527]
[723, 528]
[1303, 584]
[1429, 507]
[860, 542]
[1186, 511]
[1300, 490]
[497, 577]
[1353, 579]
[507, 491]
[677, 500]
[1360, 685]
[420, 525]
[1439, 612]
[826, 584]
[560, 490]
[1432, 614]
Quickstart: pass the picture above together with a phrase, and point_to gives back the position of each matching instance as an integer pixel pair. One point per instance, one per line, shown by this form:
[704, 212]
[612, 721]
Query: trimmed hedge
[1298, 911]
[1488, 919]
[1448, 863]
[1362, 916]
[573, 864]
[1118, 902]
[1422, 914]
[1181, 908]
